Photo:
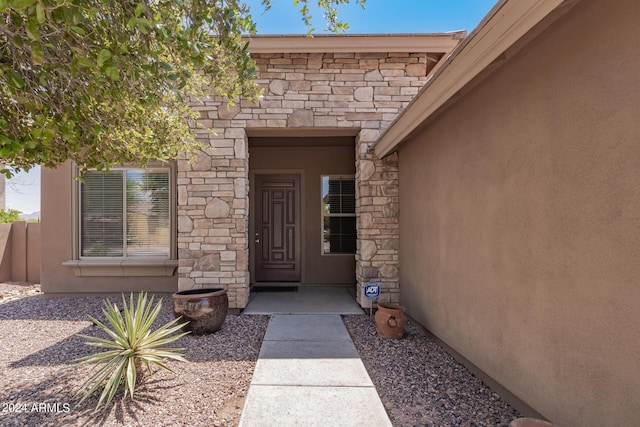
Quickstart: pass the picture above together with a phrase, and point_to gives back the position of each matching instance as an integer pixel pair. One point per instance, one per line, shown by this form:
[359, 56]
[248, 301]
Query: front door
[277, 228]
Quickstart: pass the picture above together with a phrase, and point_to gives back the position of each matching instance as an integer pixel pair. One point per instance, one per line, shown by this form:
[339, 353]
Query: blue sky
[380, 16]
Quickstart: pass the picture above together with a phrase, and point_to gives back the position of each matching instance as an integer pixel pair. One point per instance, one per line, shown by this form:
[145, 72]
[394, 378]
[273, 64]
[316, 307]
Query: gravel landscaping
[420, 384]
[38, 342]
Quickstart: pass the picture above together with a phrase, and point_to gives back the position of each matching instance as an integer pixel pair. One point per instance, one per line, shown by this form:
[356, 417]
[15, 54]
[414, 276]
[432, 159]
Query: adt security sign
[372, 291]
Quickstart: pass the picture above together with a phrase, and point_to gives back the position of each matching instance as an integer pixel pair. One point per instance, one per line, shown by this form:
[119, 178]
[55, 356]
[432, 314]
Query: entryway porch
[324, 299]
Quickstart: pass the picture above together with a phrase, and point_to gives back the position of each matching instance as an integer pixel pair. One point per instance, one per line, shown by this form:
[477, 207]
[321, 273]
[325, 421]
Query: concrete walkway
[304, 300]
[309, 373]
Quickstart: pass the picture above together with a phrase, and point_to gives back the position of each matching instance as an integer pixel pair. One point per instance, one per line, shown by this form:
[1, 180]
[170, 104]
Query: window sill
[122, 268]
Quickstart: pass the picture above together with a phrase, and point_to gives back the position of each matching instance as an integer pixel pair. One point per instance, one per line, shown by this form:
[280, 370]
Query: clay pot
[205, 309]
[390, 320]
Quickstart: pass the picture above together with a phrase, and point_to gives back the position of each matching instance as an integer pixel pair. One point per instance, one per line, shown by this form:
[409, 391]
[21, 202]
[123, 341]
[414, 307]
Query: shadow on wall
[20, 252]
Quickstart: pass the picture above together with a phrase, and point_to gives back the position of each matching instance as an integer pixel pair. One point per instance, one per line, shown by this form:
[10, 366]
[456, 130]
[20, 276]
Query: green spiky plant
[131, 344]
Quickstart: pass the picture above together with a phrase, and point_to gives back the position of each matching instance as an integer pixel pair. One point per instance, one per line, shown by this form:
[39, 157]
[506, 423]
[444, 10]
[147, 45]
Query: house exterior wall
[58, 232]
[519, 220]
[304, 93]
[312, 162]
[340, 86]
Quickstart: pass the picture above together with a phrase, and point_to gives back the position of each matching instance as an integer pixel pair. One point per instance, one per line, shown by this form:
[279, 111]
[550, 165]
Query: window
[338, 215]
[125, 213]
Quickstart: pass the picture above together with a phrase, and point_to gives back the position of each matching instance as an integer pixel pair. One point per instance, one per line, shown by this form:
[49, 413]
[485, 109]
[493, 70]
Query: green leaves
[329, 9]
[129, 345]
[22, 4]
[37, 53]
[7, 216]
[33, 29]
[40, 16]
[85, 62]
[122, 71]
[17, 42]
[78, 30]
[140, 8]
[103, 57]
[15, 79]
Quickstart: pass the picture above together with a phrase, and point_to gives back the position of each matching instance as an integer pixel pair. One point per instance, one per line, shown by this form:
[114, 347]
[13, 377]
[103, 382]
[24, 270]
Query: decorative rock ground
[420, 384]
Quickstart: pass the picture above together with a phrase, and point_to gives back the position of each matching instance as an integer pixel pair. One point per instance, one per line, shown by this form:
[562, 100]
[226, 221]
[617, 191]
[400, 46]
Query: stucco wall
[20, 251]
[5, 252]
[33, 251]
[519, 219]
[57, 237]
[314, 161]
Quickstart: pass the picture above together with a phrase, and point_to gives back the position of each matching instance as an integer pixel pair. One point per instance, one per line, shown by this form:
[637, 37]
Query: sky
[379, 16]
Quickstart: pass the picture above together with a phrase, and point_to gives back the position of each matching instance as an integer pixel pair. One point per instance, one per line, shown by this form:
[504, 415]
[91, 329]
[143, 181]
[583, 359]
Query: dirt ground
[13, 290]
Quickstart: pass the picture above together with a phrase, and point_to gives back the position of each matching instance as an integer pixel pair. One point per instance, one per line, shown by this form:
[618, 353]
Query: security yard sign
[372, 291]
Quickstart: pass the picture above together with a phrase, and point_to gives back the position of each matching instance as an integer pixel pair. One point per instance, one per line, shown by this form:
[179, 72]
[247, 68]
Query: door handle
[257, 238]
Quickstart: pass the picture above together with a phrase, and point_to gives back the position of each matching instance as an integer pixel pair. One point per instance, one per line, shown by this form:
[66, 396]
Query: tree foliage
[7, 216]
[330, 9]
[104, 82]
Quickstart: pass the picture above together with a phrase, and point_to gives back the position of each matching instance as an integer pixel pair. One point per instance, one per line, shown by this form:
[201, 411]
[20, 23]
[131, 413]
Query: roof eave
[430, 42]
[503, 26]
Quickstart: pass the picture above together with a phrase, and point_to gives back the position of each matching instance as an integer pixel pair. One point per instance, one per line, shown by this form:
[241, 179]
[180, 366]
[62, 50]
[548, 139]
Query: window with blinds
[125, 213]
[338, 215]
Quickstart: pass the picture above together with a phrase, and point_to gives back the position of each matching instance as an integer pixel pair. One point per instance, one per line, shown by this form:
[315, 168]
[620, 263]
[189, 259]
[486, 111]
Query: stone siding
[361, 91]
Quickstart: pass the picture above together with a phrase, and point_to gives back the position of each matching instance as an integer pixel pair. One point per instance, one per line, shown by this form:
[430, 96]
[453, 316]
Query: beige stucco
[312, 158]
[519, 220]
[58, 236]
[20, 251]
[5, 252]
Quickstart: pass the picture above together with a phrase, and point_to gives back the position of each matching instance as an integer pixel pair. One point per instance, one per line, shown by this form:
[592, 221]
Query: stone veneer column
[213, 216]
[377, 212]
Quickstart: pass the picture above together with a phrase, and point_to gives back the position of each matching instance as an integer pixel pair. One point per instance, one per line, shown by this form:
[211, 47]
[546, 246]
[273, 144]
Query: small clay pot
[205, 309]
[390, 320]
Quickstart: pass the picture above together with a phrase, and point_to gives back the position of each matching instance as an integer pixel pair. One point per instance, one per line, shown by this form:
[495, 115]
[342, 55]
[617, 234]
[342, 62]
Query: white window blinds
[125, 213]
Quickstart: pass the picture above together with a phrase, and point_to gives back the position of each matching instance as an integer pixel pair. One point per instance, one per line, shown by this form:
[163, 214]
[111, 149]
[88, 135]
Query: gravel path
[37, 343]
[420, 384]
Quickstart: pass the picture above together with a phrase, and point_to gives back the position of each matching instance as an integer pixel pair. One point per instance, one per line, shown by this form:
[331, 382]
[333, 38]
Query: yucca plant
[131, 344]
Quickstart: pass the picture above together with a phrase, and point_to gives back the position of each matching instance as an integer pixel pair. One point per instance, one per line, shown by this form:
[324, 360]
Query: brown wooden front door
[277, 228]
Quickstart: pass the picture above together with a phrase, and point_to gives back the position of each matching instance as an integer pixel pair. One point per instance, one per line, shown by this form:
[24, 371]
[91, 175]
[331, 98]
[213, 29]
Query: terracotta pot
[205, 309]
[390, 320]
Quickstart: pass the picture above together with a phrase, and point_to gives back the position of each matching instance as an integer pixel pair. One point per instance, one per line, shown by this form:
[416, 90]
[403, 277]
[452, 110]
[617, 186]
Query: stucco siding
[57, 240]
[519, 219]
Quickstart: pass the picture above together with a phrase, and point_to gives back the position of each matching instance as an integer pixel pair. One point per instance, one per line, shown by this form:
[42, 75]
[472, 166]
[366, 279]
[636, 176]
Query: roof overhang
[506, 23]
[435, 43]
